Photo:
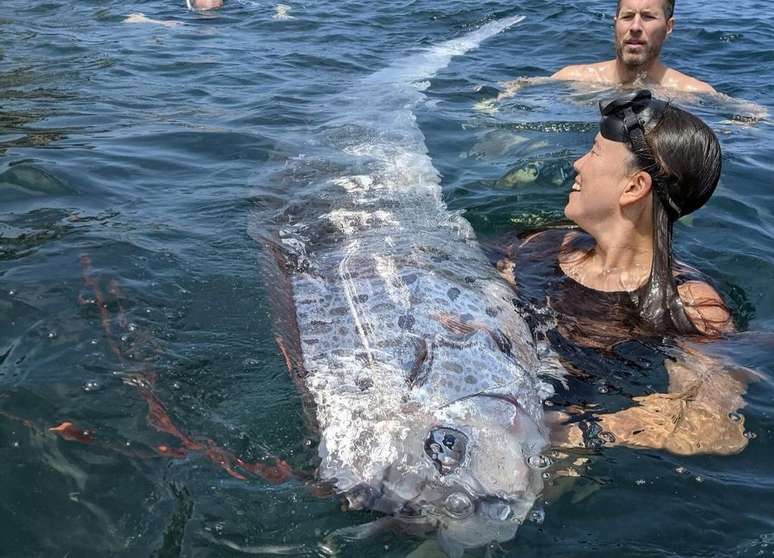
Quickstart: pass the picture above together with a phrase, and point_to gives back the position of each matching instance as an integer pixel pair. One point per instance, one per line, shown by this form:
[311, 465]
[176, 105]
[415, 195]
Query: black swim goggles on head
[624, 119]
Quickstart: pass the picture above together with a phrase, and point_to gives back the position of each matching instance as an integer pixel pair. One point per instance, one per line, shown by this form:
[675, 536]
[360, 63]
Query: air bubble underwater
[539, 461]
[91, 386]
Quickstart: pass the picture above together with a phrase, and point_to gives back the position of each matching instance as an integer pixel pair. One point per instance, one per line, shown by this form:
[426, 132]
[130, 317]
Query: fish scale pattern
[400, 330]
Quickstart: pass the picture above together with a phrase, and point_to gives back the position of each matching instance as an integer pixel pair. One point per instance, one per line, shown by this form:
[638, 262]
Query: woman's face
[601, 177]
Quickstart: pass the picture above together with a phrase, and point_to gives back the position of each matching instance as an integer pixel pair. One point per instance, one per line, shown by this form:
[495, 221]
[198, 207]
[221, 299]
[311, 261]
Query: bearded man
[641, 27]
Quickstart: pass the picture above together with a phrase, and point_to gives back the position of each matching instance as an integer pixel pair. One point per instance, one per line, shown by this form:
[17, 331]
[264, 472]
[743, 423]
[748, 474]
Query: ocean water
[132, 158]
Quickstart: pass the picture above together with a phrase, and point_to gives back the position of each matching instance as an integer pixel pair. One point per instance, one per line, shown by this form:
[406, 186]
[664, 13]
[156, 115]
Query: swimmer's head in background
[680, 152]
[202, 5]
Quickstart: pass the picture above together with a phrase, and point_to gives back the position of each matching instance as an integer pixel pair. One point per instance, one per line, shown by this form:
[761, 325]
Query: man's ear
[670, 25]
[637, 188]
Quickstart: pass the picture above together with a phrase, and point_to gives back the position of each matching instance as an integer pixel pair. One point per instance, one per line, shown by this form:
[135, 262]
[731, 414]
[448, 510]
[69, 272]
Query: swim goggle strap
[623, 120]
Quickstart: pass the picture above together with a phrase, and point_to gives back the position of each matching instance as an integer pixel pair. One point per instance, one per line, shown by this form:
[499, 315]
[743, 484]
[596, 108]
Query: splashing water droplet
[603, 389]
[546, 475]
[734, 417]
[91, 385]
[750, 435]
[132, 327]
[176, 385]
[11, 293]
[539, 461]
[537, 516]
[52, 334]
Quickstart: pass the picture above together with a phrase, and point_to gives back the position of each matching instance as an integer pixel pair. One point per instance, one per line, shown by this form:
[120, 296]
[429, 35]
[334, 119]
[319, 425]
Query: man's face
[640, 30]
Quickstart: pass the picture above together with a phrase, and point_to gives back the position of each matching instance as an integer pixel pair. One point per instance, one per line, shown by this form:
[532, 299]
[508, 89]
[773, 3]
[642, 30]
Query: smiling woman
[650, 164]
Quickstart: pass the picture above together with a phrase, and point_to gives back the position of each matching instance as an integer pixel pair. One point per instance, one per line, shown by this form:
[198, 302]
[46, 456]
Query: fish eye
[446, 448]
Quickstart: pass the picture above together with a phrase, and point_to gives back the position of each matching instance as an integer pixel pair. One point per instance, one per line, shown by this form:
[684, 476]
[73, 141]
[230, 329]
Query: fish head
[473, 470]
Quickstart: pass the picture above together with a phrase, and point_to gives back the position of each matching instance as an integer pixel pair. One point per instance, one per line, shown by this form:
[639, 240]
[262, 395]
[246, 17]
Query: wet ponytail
[684, 175]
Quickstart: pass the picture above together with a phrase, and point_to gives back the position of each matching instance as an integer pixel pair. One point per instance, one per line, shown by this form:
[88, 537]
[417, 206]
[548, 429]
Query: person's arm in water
[698, 415]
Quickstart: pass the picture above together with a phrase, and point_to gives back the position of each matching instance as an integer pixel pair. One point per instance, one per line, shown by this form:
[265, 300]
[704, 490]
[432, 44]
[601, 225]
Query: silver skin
[422, 373]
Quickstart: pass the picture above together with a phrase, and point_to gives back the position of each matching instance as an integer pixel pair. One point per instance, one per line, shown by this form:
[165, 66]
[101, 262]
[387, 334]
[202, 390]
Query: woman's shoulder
[705, 307]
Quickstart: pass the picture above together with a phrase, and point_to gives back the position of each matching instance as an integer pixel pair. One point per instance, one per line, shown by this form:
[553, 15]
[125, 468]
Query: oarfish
[421, 373]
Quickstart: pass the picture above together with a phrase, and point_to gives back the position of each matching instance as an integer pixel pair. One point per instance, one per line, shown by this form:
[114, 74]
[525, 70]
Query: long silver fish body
[422, 373]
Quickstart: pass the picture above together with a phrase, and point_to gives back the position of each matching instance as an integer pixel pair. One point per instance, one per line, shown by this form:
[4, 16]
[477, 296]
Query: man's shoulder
[583, 72]
[675, 79]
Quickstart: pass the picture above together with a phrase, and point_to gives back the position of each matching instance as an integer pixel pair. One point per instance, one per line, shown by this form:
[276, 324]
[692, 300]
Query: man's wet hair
[668, 6]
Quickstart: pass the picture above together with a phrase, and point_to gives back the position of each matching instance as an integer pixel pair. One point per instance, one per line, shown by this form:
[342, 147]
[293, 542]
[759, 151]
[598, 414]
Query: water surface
[131, 159]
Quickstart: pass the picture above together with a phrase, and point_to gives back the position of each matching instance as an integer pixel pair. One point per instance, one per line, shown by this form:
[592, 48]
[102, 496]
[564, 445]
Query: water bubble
[308, 443]
[699, 478]
[11, 293]
[15, 444]
[537, 516]
[538, 461]
[93, 342]
[548, 403]
[52, 334]
[546, 475]
[734, 417]
[603, 389]
[607, 437]
[251, 362]
[124, 338]
[750, 435]
[132, 327]
[458, 505]
[680, 470]
[91, 385]
[639, 482]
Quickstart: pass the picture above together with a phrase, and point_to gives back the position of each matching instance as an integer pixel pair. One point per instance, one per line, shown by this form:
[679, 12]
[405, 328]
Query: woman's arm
[698, 414]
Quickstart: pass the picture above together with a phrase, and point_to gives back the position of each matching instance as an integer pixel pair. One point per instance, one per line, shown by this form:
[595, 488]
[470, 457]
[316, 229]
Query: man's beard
[636, 61]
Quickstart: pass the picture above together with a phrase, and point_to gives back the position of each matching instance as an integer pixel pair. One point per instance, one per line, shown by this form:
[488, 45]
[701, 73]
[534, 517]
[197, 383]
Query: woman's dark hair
[685, 173]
